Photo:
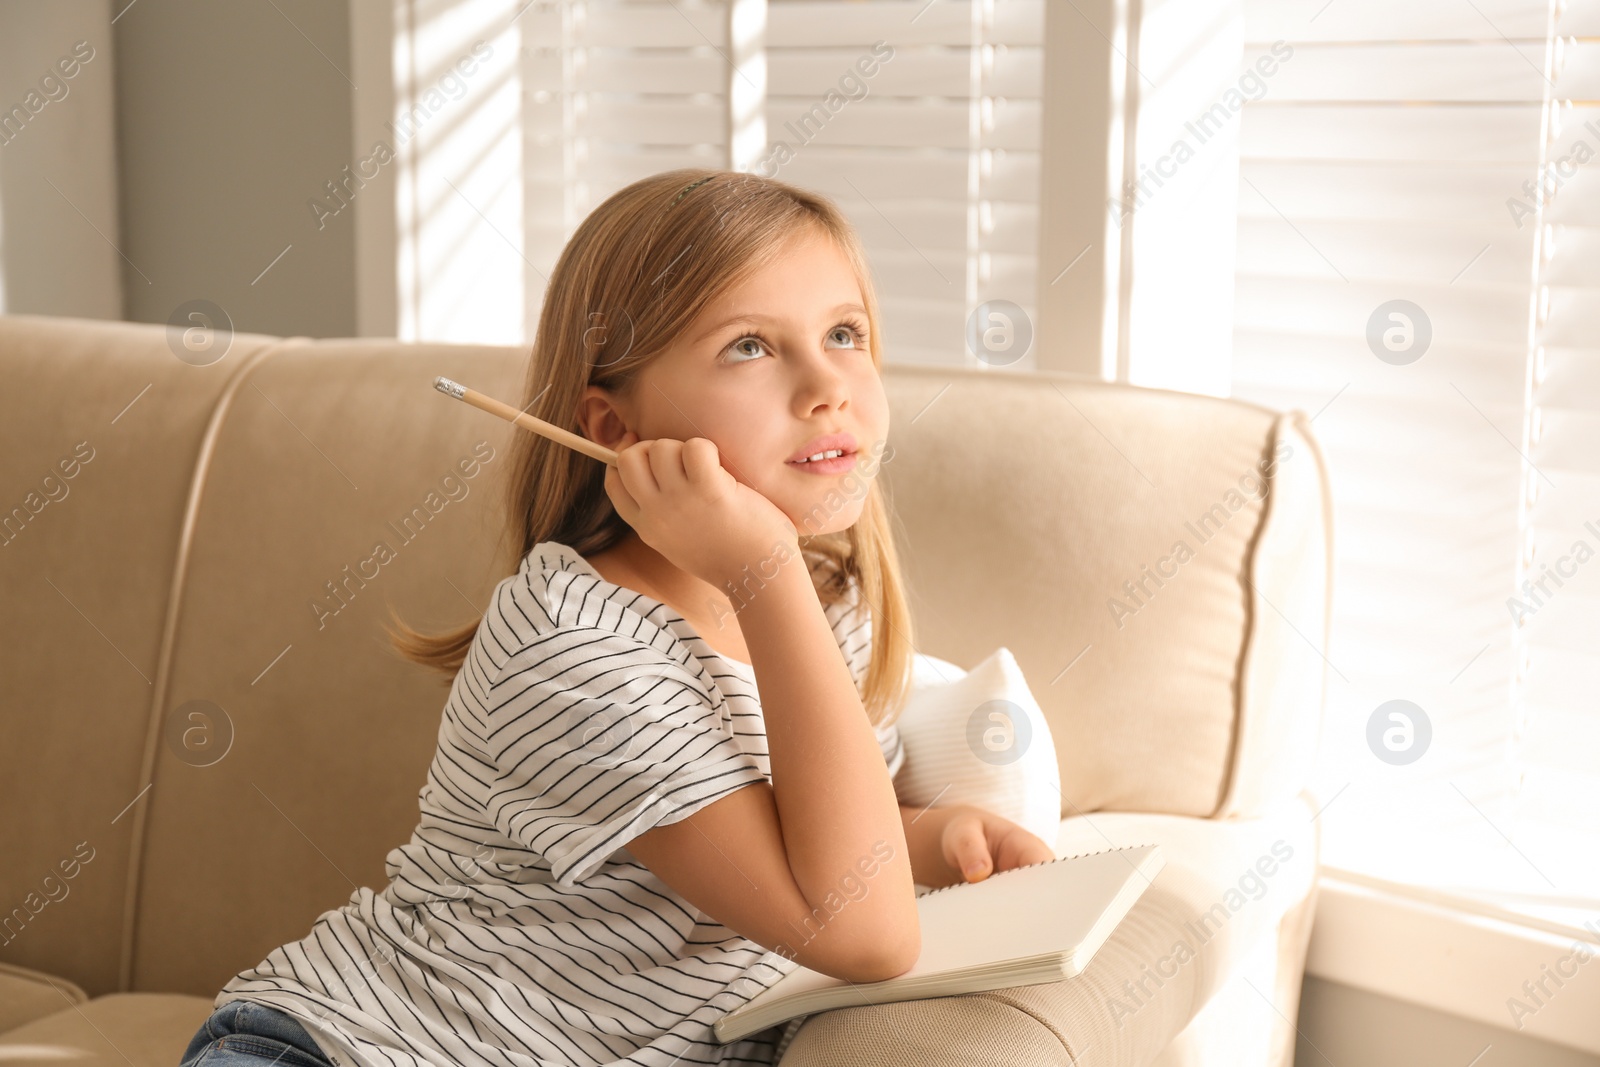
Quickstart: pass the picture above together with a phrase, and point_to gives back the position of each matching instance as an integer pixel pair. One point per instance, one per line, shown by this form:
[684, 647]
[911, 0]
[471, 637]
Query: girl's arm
[832, 789]
[814, 866]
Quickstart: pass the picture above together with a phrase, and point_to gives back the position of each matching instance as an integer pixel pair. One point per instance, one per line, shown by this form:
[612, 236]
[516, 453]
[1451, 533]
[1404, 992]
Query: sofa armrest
[1231, 891]
[26, 995]
[1288, 582]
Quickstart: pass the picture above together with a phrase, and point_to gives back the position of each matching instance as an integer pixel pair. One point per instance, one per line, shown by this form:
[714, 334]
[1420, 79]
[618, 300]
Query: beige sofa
[175, 533]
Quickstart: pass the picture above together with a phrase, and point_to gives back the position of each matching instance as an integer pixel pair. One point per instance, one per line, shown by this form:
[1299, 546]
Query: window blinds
[1380, 166]
[933, 155]
[1557, 589]
[935, 160]
[615, 92]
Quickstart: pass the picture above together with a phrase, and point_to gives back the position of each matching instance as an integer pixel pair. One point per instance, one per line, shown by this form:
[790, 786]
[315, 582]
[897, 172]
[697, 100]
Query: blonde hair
[635, 274]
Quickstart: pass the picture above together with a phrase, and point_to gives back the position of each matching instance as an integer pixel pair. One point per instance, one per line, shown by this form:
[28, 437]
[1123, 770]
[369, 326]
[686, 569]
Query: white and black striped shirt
[516, 930]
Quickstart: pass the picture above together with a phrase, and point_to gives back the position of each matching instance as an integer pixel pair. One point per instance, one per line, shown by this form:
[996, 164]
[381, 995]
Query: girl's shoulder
[557, 610]
[570, 592]
[557, 598]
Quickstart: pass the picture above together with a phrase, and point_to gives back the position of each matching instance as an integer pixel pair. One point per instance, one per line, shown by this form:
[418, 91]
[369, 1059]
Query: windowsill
[1418, 946]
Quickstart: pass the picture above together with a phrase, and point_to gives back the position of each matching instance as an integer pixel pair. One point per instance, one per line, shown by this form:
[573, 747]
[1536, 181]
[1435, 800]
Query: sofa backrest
[212, 743]
[1158, 562]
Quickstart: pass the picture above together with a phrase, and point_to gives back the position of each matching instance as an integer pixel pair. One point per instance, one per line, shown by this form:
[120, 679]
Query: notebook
[1025, 926]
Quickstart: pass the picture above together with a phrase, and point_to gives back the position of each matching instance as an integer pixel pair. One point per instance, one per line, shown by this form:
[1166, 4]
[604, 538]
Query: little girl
[664, 770]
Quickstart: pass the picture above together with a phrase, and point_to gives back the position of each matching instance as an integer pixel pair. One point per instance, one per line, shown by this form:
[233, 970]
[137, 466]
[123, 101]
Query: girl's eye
[851, 332]
[854, 332]
[754, 339]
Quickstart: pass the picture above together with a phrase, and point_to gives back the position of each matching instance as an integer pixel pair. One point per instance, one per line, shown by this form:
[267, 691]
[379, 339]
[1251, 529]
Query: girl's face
[774, 364]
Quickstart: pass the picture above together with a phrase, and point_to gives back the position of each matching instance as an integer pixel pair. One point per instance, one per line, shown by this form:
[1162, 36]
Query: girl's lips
[832, 465]
[829, 442]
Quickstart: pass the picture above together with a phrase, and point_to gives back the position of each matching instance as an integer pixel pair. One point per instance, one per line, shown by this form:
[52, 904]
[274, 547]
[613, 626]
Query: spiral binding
[1041, 863]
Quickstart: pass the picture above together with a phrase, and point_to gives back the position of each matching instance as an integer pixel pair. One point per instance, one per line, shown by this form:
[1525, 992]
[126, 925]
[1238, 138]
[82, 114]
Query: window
[920, 121]
[1398, 278]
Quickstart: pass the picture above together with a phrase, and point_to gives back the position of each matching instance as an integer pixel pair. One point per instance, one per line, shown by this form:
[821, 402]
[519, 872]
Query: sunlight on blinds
[922, 122]
[1556, 598]
[1384, 286]
[457, 139]
[616, 92]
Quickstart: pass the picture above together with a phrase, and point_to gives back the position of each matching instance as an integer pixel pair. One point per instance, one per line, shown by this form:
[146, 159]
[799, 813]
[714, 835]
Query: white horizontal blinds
[615, 91]
[453, 146]
[934, 156]
[1375, 167]
[1558, 658]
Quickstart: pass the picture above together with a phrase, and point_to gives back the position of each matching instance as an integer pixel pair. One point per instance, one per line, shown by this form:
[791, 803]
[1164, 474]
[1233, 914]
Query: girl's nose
[821, 383]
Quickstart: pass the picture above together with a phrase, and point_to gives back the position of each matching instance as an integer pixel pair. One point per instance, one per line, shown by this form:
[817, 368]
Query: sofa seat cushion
[1224, 890]
[26, 995]
[116, 1030]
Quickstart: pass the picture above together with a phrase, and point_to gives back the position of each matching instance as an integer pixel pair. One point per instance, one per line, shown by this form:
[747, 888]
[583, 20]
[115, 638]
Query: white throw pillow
[983, 735]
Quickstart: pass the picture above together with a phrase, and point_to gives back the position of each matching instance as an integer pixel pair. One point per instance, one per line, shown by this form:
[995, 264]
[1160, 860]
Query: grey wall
[58, 180]
[231, 115]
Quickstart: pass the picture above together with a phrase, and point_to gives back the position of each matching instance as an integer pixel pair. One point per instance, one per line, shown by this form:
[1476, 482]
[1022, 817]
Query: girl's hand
[682, 502]
[977, 843]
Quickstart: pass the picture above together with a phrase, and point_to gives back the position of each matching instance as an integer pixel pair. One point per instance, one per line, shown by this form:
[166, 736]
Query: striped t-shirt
[516, 930]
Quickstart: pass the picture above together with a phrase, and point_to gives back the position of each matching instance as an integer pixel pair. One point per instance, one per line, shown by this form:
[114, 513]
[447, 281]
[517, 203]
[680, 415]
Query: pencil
[526, 421]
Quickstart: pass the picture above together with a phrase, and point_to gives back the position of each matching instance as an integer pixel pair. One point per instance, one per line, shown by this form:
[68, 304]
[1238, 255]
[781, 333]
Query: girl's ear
[601, 418]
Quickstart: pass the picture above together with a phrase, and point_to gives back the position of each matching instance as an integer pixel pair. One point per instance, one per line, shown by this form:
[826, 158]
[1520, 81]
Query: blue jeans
[245, 1034]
